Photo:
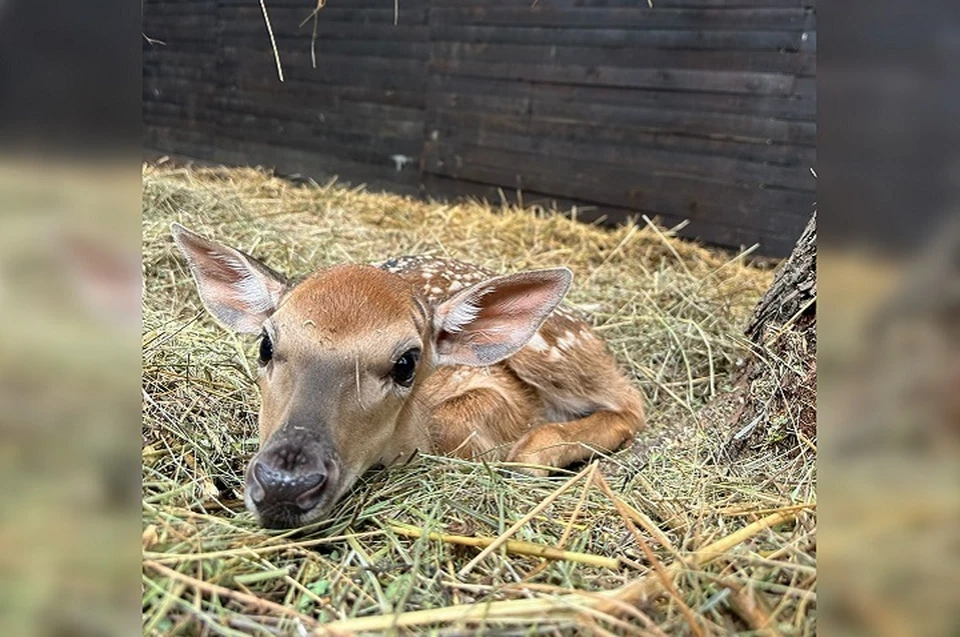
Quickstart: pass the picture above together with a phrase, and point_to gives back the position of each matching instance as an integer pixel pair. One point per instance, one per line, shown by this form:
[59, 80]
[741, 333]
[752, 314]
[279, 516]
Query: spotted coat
[564, 376]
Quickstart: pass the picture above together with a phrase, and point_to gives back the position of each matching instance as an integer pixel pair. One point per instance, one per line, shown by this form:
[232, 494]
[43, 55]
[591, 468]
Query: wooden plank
[444, 124]
[628, 4]
[627, 156]
[639, 16]
[159, 11]
[377, 152]
[713, 125]
[666, 79]
[737, 39]
[491, 95]
[373, 73]
[745, 128]
[186, 57]
[350, 31]
[678, 194]
[187, 73]
[301, 60]
[293, 17]
[308, 7]
[369, 47]
[188, 21]
[186, 116]
[175, 140]
[371, 119]
[455, 92]
[312, 164]
[321, 95]
[760, 61]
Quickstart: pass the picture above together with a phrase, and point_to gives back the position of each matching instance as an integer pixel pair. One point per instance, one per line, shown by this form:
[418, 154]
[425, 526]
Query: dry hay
[673, 313]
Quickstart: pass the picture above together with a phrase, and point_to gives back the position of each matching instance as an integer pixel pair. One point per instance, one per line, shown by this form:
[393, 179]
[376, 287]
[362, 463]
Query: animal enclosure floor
[664, 537]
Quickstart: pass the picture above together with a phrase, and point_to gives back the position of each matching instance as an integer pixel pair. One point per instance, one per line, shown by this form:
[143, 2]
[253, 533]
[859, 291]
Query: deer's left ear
[492, 320]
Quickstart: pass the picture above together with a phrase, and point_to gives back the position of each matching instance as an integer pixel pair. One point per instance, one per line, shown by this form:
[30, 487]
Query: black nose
[287, 476]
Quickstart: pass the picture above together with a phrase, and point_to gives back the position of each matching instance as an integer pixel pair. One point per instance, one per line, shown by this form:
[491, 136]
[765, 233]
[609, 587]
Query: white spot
[554, 354]
[568, 340]
[436, 290]
[400, 161]
[456, 285]
[537, 343]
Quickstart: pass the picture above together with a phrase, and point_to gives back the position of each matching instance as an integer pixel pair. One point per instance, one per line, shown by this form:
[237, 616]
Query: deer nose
[287, 477]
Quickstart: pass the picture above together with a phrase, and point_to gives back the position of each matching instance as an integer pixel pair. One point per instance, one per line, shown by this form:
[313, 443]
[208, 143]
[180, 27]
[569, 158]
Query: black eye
[266, 349]
[404, 369]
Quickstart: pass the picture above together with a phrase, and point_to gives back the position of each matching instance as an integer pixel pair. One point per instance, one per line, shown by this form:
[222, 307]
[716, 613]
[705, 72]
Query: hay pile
[650, 526]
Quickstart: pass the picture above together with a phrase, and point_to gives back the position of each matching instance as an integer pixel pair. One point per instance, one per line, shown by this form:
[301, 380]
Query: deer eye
[266, 349]
[405, 368]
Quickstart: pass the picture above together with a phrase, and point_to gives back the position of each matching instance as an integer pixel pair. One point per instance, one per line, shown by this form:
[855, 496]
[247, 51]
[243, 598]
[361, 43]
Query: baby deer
[363, 365]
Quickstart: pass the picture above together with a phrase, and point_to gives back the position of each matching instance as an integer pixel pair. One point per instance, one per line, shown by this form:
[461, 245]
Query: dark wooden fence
[693, 109]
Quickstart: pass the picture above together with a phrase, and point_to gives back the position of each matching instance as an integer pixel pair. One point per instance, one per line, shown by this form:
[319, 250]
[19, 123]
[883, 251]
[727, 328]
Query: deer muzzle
[291, 482]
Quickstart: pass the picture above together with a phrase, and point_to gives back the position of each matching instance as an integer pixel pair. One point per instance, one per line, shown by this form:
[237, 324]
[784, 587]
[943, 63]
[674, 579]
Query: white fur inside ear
[464, 312]
[250, 289]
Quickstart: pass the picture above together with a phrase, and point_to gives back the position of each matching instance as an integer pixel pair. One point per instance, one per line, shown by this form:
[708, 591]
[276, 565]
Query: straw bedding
[665, 537]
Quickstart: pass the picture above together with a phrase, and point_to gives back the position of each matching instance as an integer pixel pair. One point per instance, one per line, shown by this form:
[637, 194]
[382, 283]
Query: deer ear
[236, 289]
[492, 320]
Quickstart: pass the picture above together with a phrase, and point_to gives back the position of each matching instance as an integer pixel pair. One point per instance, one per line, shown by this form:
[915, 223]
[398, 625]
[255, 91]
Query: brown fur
[527, 408]
[518, 377]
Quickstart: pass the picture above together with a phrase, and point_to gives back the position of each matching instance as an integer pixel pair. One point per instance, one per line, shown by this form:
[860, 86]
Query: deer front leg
[558, 444]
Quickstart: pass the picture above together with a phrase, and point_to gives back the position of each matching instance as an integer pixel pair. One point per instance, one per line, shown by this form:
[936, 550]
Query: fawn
[363, 365]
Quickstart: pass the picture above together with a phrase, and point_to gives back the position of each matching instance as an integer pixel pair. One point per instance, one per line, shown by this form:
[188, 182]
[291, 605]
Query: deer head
[343, 354]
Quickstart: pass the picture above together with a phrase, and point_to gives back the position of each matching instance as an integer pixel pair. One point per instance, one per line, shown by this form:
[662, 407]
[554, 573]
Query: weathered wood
[706, 60]
[618, 37]
[639, 16]
[662, 78]
[455, 89]
[628, 4]
[303, 43]
[690, 195]
[693, 109]
[313, 164]
[625, 156]
[333, 12]
[450, 123]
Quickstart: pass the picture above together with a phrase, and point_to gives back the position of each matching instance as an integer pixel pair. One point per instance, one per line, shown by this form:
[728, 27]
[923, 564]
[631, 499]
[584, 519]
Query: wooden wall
[693, 109]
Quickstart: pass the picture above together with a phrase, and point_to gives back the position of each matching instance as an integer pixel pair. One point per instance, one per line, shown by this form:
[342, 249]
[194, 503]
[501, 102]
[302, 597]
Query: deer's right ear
[236, 289]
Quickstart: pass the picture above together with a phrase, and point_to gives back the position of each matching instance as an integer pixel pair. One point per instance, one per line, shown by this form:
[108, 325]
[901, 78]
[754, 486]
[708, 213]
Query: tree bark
[793, 293]
[773, 401]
